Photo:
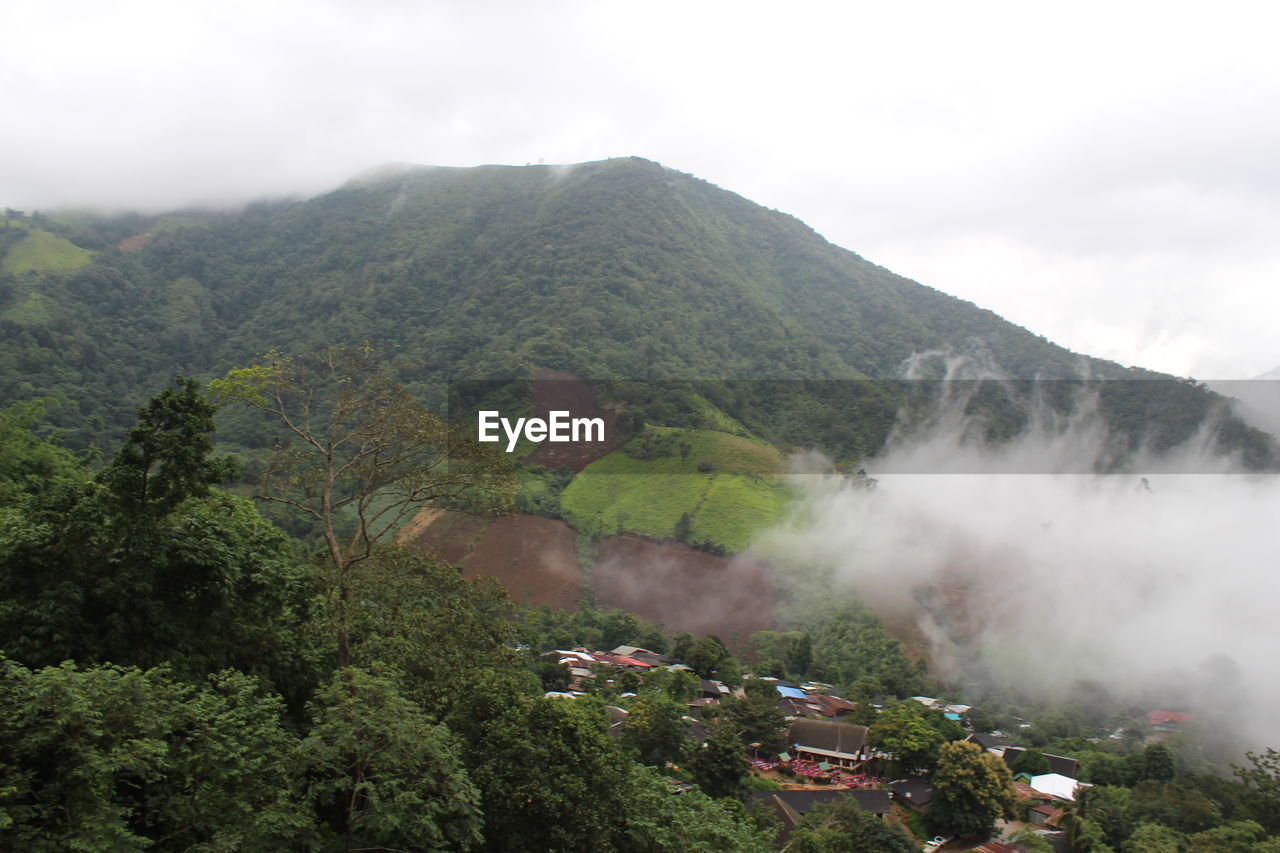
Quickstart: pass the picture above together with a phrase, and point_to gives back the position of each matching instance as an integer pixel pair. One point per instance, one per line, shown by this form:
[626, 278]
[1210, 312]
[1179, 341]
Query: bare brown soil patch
[685, 589]
[442, 533]
[556, 390]
[135, 243]
[534, 559]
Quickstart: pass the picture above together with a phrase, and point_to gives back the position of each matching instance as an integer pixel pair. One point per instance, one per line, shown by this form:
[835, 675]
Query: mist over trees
[209, 643]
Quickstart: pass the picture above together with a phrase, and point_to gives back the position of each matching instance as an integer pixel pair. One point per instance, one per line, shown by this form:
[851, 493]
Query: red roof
[1026, 792]
[1164, 718]
[620, 660]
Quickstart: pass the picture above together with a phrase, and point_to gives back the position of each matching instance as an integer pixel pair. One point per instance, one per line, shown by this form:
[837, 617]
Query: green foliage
[1154, 838]
[903, 731]
[755, 716]
[719, 765]
[31, 465]
[656, 820]
[433, 627]
[1159, 763]
[618, 270]
[1031, 761]
[377, 773]
[543, 628]
[1262, 777]
[850, 646]
[708, 656]
[1101, 815]
[167, 456]
[356, 453]
[150, 563]
[1235, 837]
[549, 776]
[117, 759]
[654, 730]
[42, 252]
[843, 827]
[972, 789]
[1174, 804]
[666, 496]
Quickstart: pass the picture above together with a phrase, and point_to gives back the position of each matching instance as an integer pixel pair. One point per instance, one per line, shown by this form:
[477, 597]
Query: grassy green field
[728, 484]
[44, 252]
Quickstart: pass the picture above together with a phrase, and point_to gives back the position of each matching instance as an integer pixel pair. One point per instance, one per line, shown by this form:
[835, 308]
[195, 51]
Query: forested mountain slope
[614, 269]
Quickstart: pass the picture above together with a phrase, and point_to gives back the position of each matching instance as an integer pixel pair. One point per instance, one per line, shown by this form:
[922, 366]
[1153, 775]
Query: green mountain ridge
[617, 269]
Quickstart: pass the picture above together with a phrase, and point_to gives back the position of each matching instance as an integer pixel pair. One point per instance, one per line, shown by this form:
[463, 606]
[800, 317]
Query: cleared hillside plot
[43, 252]
[534, 559]
[685, 589]
[726, 483]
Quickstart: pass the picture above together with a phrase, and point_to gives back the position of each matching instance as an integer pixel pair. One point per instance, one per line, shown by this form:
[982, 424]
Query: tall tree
[655, 730]
[357, 454]
[755, 716]
[902, 731]
[375, 773]
[149, 562]
[168, 456]
[720, 766]
[1159, 763]
[972, 789]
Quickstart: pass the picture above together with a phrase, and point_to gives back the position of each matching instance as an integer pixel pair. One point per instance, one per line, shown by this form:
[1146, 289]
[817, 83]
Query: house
[990, 742]
[829, 706]
[617, 719]
[713, 689]
[1045, 814]
[915, 793]
[622, 661]
[1169, 721]
[695, 730]
[643, 655]
[627, 651]
[1059, 764]
[1057, 786]
[838, 744]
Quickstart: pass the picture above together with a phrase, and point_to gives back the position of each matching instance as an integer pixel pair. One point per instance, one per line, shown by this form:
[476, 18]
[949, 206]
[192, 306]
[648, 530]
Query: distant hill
[619, 269]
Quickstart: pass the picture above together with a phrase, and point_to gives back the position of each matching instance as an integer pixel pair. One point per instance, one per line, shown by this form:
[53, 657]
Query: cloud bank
[1160, 585]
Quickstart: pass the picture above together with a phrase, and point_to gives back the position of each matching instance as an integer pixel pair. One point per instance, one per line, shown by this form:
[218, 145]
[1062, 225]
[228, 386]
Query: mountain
[619, 269]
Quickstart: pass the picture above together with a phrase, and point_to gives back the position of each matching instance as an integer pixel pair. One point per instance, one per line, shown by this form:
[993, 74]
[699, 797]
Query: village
[827, 758]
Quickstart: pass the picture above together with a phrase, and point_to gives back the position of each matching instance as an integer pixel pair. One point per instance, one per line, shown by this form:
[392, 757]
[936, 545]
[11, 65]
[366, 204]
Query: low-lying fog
[1160, 583]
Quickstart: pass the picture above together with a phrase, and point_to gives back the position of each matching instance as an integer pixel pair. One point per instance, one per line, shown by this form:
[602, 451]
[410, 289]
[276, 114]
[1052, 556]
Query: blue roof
[952, 716]
[791, 692]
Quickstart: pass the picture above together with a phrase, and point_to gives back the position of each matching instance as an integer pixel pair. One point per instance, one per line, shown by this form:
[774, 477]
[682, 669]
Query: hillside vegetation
[614, 270]
[697, 486]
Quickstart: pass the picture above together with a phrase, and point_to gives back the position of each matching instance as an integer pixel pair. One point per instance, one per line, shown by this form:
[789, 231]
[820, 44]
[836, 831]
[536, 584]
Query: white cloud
[1068, 170]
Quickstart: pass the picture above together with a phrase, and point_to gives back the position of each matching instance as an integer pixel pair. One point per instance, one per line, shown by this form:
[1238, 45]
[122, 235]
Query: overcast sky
[1107, 175]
